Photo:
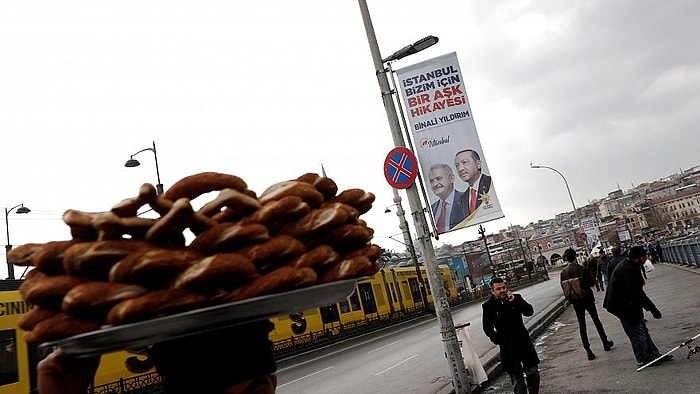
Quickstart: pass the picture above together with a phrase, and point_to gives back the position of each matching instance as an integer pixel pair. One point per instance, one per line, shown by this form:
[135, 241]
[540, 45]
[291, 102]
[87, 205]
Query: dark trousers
[643, 347]
[580, 308]
[525, 380]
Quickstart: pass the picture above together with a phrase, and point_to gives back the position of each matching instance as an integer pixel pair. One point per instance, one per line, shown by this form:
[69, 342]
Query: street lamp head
[534, 166]
[387, 210]
[8, 246]
[424, 43]
[416, 47]
[135, 163]
[132, 163]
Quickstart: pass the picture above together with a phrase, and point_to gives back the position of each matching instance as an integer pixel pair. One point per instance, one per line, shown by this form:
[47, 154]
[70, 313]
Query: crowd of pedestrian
[620, 277]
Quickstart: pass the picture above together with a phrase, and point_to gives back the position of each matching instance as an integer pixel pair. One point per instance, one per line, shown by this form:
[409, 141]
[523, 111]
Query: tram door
[369, 304]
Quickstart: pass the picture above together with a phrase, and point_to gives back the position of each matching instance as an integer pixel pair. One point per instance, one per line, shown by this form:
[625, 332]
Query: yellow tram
[18, 359]
[390, 292]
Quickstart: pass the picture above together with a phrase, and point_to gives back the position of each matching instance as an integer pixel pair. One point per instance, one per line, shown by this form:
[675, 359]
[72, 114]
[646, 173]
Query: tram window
[329, 314]
[415, 289]
[344, 307]
[379, 295]
[355, 302]
[405, 288]
[369, 303]
[8, 357]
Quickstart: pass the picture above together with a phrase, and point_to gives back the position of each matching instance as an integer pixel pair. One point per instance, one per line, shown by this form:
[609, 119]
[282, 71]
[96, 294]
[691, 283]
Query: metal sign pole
[442, 307]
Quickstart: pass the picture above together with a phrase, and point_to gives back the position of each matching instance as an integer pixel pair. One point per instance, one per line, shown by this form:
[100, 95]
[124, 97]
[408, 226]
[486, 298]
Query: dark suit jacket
[484, 187]
[502, 322]
[458, 212]
[625, 297]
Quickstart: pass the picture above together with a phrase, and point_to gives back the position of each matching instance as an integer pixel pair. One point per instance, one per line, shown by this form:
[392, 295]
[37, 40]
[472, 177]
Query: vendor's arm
[59, 373]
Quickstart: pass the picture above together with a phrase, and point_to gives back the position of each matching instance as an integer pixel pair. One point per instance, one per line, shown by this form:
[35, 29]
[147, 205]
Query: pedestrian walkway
[675, 290]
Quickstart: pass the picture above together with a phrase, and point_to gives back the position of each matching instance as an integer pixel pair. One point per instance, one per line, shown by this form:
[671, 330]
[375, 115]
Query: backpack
[573, 289]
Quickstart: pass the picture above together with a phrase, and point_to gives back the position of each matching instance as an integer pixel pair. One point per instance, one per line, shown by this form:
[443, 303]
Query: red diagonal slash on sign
[400, 168]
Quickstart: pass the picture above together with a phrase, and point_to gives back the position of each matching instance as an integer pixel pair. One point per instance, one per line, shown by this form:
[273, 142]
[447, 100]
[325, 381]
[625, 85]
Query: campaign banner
[447, 145]
[590, 228]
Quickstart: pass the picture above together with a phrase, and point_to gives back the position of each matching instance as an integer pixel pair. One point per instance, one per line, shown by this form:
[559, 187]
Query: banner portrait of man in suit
[448, 209]
[468, 165]
[440, 120]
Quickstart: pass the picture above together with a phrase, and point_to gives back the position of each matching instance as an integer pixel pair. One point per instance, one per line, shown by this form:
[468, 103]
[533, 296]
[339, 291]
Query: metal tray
[134, 335]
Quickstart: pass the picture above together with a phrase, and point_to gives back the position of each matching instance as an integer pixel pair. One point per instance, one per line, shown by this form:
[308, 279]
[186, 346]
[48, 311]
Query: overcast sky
[607, 92]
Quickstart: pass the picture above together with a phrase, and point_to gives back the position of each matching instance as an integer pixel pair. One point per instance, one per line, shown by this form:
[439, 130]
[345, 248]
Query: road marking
[380, 348]
[395, 365]
[346, 348]
[304, 377]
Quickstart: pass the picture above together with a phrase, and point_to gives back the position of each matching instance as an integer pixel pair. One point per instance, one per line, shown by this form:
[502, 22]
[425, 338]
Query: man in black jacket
[614, 261]
[503, 324]
[626, 299]
[574, 270]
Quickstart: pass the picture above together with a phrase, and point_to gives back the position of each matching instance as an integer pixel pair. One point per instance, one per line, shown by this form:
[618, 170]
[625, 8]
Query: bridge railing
[683, 250]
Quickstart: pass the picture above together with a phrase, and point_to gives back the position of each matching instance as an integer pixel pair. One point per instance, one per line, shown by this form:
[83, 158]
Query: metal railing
[684, 250]
[150, 383]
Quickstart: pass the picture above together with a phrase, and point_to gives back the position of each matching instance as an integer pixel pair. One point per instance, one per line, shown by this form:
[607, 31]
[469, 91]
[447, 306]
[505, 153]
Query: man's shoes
[658, 362]
[665, 358]
[608, 345]
[591, 356]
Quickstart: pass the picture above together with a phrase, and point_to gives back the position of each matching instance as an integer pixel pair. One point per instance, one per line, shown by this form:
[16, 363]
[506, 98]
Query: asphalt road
[405, 359]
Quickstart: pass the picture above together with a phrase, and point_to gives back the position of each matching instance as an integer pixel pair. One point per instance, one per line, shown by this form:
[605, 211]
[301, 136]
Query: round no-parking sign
[400, 168]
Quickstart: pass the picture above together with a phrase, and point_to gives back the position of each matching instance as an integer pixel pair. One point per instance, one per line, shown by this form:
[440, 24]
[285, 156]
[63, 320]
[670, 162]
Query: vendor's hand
[59, 373]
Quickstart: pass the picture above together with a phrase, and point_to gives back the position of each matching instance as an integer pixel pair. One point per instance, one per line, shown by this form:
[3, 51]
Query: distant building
[679, 212]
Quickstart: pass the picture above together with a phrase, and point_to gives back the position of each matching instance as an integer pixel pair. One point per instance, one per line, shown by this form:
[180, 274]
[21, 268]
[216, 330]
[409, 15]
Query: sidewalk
[675, 290]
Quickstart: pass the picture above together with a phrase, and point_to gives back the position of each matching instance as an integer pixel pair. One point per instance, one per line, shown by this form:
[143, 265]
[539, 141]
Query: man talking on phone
[503, 324]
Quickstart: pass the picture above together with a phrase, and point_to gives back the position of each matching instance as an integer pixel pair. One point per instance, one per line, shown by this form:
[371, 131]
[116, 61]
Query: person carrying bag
[577, 281]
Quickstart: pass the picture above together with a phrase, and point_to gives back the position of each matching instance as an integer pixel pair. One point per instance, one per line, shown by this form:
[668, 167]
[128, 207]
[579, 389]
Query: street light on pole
[567, 189]
[482, 232]
[135, 163]
[20, 209]
[565, 182]
[423, 43]
[442, 307]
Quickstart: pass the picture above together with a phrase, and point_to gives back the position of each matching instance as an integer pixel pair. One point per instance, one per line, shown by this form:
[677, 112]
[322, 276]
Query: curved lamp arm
[133, 163]
[565, 182]
[8, 247]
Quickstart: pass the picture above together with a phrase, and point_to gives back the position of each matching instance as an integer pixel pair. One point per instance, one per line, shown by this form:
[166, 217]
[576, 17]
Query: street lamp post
[482, 232]
[408, 242]
[527, 265]
[571, 198]
[20, 209]
[543, 260]
[442, 307]
[134, 163]
[565, 183]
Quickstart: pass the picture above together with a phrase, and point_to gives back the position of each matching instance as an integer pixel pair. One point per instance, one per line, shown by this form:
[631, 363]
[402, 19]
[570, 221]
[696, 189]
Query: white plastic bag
[471, 359]
[648, 266]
